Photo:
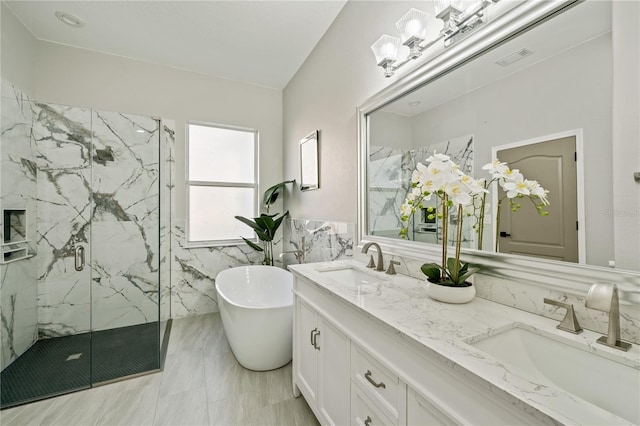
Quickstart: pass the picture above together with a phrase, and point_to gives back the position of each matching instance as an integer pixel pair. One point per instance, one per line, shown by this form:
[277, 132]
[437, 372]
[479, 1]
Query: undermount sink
[548, 358]
[350, 276]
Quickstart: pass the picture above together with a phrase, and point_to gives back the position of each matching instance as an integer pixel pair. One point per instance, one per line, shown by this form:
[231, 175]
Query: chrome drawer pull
[314, 336]
[367, 376]
[368, 421]
[315, 340]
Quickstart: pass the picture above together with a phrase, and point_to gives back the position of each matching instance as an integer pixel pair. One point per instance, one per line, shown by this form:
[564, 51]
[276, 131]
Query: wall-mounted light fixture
[458, 16]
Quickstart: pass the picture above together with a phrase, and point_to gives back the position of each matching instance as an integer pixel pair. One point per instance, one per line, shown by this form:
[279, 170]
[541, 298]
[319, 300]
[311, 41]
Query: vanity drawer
[364, 412]
[377, 381]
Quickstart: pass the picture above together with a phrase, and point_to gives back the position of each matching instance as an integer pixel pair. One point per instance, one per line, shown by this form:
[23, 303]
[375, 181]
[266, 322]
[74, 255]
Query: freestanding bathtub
[256, 307]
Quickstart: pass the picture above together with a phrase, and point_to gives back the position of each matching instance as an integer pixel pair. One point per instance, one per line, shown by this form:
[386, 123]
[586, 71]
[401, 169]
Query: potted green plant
[266, 225]
[442, 180]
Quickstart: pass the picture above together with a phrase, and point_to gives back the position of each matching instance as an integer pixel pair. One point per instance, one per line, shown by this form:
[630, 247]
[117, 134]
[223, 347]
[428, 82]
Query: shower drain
[73, 356]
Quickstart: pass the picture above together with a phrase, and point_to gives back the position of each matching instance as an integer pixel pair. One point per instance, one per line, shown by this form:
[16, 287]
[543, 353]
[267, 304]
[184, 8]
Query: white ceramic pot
[447, 294]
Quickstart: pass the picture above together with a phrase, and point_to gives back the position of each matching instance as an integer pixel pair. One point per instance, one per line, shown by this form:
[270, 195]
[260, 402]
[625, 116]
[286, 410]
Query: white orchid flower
[516, 186]
[405, 209]
[458, 193]
[537, 190]
[474, 186]
[496, 167]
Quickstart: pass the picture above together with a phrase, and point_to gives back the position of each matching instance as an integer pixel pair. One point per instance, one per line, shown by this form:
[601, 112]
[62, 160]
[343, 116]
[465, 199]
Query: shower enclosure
[82, 258]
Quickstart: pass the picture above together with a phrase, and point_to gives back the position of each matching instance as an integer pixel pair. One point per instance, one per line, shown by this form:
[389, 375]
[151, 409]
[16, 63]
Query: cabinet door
[422, 412]
[333, 372]
[307, 362]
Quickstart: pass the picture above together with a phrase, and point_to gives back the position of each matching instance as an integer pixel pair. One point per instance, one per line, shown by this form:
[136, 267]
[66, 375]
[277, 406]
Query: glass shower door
[126, 246]
[62, 354]
[85, 308]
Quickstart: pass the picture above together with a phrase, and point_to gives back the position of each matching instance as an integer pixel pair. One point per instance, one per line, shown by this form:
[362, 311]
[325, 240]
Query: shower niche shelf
[14, 235]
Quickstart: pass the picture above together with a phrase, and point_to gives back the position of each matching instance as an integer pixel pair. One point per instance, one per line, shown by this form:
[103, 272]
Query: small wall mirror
[309, 162]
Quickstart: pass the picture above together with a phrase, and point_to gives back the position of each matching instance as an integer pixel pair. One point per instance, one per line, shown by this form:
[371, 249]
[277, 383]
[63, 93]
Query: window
[221, 183]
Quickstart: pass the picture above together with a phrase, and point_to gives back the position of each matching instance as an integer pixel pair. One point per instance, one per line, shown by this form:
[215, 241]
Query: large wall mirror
[519, 99]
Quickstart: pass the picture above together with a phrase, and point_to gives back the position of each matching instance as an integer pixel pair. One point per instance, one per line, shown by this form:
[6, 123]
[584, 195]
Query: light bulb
[413, 28]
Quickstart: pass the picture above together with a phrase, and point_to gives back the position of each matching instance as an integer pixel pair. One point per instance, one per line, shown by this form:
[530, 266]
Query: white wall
[390, 130]
[338, 75]
[626, 134]
[18, 63]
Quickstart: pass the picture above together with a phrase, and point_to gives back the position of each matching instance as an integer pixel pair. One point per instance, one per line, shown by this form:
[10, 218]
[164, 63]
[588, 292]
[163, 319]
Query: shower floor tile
[64, 364]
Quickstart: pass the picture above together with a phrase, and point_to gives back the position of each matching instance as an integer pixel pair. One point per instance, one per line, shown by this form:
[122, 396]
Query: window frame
[191, 183]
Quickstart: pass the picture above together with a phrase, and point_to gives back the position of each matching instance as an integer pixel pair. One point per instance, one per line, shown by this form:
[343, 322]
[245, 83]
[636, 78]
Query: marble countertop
[401, 303]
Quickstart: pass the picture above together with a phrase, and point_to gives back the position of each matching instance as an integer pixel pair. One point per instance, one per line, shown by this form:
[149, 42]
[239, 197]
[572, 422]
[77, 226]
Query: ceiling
[257, 42]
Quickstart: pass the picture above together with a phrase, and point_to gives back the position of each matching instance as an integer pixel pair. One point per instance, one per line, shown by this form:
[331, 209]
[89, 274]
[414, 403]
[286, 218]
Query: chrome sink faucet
[604, 297]
[569, 322]
[299, 253]
[372, 264]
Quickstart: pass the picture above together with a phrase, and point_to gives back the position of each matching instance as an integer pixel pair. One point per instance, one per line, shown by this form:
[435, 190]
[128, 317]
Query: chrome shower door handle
[79, 260]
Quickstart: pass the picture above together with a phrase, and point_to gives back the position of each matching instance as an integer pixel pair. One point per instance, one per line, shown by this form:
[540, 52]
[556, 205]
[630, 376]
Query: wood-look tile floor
[202, 384]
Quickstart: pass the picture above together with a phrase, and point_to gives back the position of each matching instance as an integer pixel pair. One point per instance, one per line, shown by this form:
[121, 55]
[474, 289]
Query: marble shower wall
[125, 221]
[98, 187]
[18, 189]
[69, 167]
[62, 137]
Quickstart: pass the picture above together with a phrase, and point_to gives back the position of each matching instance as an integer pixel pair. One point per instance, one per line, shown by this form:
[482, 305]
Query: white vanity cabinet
[321, 365]
[355, 370]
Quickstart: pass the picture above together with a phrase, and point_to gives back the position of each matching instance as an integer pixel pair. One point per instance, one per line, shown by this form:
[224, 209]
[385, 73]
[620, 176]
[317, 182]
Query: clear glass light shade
[386, 49]
[413, 25]
[443, 4]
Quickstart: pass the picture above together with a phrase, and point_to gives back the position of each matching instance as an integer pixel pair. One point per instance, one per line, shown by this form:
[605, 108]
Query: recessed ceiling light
[69, 19]
[414, 103]
[140, 131]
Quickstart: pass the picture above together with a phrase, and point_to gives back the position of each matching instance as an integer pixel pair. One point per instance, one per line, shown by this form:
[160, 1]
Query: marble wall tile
[531, 298]
[193, 273]
[125, 219]
[18, 190]
[323, 240]
[124, 274]
[18, 310]
[167, 189]
[62, 137]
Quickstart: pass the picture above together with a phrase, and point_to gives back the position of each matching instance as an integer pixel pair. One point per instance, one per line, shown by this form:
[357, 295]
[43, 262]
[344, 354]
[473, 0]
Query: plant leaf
[432, 271]
[252, 244]
[271, 194]
[463, 277]
[278, 221]
[266, 223]
[249, 222]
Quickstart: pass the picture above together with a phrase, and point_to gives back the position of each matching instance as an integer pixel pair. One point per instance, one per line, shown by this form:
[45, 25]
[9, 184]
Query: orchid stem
[445, 242]
[456, 268]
